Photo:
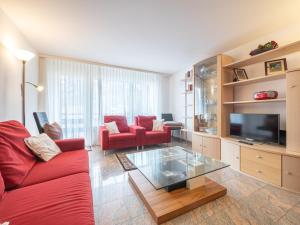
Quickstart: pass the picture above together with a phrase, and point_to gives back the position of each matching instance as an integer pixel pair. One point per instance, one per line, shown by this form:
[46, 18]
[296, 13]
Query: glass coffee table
[171, 181]
[171, 168]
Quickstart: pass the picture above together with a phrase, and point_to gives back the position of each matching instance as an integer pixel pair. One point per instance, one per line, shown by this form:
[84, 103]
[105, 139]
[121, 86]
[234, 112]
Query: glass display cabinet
[206, 96]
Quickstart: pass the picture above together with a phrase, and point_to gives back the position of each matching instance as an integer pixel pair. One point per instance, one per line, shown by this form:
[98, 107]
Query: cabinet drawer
[263, 165]
[291, 173]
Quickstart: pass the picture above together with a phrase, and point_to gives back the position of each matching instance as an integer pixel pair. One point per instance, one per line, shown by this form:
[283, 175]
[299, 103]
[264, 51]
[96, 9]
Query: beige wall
[11, 75]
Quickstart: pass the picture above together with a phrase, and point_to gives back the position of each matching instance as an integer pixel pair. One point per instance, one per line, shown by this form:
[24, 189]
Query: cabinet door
[293, 111]
[197, 143]
[211, 147]
[230, 153]
[291, 173]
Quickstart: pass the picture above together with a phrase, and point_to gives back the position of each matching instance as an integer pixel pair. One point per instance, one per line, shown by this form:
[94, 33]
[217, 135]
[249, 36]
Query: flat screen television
[256, 127]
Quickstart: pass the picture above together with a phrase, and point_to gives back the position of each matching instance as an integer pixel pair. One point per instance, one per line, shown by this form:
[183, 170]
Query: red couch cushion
[2, 187]
[16, 159]
[155, 134]
[121, 137]
[63, 201]
[64, 164]
[146, 122]
[121, 122]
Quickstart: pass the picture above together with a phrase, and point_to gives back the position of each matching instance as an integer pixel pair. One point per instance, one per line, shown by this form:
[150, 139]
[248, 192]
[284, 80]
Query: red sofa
[132, 136]
[152, 137]
[33, 192]
[129, 136]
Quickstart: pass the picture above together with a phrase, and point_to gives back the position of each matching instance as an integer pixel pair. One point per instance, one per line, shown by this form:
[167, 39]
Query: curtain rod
[100, 64]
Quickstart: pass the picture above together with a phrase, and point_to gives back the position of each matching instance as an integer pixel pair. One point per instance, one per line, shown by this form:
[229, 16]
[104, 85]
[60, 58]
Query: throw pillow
[112, 127]
[53, 130]
[5, 223]
[158, 125]
[43, 146]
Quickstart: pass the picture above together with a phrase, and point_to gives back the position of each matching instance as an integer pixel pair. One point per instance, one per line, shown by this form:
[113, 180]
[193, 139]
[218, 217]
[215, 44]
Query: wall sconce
[37, 87]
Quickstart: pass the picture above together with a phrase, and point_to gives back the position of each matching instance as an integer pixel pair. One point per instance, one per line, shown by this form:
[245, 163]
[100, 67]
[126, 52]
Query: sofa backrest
[121, 122]
[16, 159]
[145, 121]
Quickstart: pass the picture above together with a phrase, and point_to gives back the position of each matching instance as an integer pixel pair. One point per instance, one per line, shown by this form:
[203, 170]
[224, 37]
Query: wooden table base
[164, 206]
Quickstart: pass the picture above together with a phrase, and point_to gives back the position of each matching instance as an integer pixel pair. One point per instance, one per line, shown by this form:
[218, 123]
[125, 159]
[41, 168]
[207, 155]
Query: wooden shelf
[278, 52]
[205, 134]
[255, 101]
[255, 80]
[187, 80]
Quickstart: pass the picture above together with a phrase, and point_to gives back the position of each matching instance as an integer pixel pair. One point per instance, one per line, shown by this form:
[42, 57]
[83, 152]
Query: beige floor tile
[248, 200]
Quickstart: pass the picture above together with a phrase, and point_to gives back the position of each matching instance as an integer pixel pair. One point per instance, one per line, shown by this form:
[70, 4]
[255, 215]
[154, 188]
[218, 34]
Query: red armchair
[129, 136]
[152, 137]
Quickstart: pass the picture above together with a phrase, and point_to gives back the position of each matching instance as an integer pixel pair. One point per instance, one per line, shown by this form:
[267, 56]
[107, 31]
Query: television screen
[259, 127]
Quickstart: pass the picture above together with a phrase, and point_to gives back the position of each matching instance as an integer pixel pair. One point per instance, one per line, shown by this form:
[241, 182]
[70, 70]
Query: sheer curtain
[78, 95]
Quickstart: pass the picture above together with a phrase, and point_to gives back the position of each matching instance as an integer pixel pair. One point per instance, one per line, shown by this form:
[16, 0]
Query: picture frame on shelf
[240, 74]
[275, 67]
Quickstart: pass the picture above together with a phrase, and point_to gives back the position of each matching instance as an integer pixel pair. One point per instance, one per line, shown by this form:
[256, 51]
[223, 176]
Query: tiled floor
[248, 201]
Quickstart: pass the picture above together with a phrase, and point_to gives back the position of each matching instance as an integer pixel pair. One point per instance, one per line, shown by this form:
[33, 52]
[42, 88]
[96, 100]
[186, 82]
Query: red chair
[129, 136]
[152, 137]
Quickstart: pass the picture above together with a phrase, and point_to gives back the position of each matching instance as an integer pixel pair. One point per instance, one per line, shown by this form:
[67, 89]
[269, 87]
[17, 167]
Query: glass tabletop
[168, 166]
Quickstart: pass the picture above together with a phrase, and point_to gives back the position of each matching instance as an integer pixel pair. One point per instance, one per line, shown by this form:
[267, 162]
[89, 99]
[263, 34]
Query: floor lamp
[25, 56]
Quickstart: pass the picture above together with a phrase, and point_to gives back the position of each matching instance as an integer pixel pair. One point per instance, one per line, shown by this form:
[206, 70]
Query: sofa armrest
[167, 129]
[136, 129]
[70, 144]
[103, 137]
[139, 132]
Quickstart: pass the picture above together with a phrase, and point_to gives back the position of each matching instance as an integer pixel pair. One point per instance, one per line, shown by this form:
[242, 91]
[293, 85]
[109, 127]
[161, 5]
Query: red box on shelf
[263, 95]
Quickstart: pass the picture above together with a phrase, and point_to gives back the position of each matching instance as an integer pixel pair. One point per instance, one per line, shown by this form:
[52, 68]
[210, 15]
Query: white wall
[177, 99]
[11, 76]
[285, 36]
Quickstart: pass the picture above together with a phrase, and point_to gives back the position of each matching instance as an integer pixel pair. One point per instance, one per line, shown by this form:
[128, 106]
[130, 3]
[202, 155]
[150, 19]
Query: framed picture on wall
[240, 74]
[275, 67]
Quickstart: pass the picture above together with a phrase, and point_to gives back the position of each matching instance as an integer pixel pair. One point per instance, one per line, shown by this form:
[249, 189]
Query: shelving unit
[256, 80]
[188, 80]
[255, 101]
[274, 164]
[278, 52]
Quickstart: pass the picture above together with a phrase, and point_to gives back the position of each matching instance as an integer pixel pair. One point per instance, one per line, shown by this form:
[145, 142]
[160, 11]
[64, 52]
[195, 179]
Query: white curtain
[78, 95]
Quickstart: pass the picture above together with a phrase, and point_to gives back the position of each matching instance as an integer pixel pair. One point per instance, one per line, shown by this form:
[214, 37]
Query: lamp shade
[23, 55]
[39, 88]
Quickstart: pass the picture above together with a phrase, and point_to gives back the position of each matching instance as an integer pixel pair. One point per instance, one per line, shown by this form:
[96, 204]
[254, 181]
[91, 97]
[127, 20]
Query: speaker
[282, 137]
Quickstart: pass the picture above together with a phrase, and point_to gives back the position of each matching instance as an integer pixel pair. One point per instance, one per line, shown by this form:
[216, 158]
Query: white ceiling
[157, 35]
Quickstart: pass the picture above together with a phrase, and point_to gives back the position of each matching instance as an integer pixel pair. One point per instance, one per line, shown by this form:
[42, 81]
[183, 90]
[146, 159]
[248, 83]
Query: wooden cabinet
[291, 173]
[230, 153]
[263, 165]
[208, 146]
[293, 110]
[212, 147]
[197, 143]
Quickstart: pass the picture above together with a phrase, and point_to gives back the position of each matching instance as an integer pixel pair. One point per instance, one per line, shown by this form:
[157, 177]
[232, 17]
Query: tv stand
[246, 142]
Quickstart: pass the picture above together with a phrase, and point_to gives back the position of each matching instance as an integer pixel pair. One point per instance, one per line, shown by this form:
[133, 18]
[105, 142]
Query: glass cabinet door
[206, 96]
